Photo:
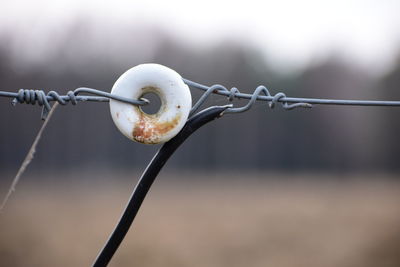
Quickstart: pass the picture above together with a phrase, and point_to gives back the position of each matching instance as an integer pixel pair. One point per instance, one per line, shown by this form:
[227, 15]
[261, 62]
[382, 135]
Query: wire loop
[235, 93]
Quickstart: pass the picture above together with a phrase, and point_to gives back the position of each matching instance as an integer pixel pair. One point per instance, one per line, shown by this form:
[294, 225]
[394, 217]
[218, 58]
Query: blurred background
[315, 187]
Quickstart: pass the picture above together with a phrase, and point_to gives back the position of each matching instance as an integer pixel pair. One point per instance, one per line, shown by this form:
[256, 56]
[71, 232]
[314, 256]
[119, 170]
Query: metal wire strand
[262, 94]
[28, 96]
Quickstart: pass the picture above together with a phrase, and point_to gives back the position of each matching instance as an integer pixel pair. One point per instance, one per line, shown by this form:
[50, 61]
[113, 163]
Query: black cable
[147, 179]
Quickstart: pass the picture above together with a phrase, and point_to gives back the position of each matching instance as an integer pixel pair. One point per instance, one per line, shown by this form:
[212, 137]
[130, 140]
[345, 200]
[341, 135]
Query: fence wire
[261, 93]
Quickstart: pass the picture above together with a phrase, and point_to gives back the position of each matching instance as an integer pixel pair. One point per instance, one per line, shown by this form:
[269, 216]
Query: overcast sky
[293, 33]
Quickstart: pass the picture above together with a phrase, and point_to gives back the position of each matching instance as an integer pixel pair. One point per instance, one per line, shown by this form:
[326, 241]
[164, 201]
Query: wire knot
[278, 96]
[232, 93]
[262, 91]
[29, 96]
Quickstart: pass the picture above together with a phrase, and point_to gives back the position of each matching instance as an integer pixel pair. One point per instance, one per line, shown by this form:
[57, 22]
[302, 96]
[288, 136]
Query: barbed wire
[261, 93]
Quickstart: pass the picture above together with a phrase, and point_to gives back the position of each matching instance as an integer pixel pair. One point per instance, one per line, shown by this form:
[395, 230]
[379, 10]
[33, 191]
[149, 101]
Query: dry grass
[237, 223]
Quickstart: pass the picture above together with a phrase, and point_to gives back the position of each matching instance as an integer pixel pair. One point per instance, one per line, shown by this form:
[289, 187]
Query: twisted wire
[234, 92]
[262, 94]
[29, 96]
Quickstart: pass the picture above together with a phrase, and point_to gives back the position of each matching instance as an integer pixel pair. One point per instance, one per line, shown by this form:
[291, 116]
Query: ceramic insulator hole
[155, 103]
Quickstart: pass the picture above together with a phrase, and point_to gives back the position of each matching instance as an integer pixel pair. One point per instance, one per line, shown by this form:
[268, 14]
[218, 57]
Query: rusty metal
[148, 130]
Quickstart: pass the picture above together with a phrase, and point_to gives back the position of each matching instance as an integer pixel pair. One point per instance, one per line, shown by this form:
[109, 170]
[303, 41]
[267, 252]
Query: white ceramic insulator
[175, 97]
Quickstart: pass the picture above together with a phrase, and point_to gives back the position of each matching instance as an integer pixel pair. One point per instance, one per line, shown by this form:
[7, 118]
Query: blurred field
[231, 222]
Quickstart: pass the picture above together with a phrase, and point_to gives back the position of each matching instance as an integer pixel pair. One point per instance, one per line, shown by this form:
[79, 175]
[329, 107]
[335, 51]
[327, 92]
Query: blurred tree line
[332, 138]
